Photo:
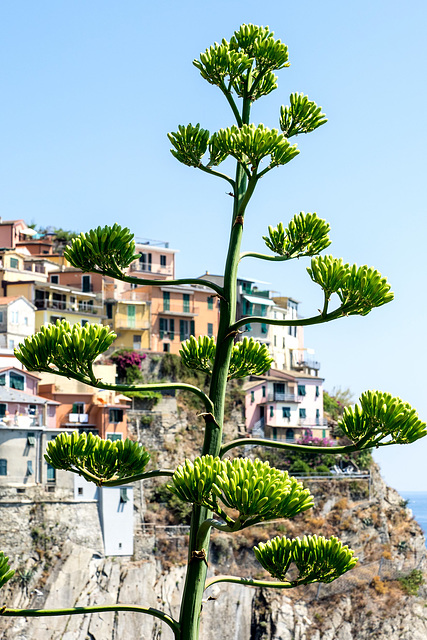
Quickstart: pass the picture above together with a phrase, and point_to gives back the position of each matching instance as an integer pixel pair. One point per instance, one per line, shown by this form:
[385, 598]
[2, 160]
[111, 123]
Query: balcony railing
[152, 268]
[179, 308]
[306, 364]
[63, 305]
[283, 397]
[78, 418]
[125, 323]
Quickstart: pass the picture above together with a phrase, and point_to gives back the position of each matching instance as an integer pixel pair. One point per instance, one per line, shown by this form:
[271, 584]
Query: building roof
[13, 395]
[26, 373]
[6, 300]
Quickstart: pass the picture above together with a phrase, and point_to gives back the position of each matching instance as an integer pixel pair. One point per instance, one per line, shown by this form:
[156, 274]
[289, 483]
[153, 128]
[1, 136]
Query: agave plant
[227, 494]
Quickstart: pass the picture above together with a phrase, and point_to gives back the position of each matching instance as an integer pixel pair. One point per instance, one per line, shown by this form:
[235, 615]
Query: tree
[217, 488]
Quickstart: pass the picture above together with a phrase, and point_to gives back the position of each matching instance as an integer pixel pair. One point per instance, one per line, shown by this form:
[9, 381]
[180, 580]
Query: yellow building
[130, 319]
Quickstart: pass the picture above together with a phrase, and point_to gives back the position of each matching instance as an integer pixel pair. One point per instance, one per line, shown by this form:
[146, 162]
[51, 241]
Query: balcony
[125, 323]
[283, 397]
[306, 364]
[78, 418]
[63, 305]
[179, 309]
[151, 269]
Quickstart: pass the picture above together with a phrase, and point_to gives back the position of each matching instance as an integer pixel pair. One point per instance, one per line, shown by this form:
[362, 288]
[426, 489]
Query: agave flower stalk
[243, 68]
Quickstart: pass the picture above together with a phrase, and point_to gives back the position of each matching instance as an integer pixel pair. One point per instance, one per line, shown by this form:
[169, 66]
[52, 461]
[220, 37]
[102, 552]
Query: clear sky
[90, 89]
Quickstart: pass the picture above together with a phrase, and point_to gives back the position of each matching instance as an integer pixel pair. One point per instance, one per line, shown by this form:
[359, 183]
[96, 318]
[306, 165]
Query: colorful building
[86, 409]
[17, 320]
[285, 406]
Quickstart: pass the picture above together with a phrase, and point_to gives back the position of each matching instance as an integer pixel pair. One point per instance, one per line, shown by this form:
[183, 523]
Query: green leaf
[302, 116]
[190, 144]
[380, 417]
[64, 348]
[6, 573]
[318, 559]
[106, 249]
[105, 459]
[306, 235]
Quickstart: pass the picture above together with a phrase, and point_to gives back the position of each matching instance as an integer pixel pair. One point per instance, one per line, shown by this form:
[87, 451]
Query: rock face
[57, 550]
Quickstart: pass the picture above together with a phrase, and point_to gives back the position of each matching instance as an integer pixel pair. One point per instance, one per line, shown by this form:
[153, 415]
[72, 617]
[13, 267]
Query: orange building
[103, 413]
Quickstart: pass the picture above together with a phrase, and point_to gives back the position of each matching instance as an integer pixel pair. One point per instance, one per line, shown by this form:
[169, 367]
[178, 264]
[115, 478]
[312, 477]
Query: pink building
[20, 406]
[285, 406]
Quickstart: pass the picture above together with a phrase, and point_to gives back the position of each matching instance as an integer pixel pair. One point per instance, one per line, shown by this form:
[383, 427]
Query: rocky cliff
[57, 549]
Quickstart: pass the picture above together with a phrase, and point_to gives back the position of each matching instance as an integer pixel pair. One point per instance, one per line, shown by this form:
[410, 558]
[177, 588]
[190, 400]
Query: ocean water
[417, 502]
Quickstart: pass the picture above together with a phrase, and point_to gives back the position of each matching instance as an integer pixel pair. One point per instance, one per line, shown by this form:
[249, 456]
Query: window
[124, 495]
[14, 263]
[30, 468]
[116, 415]
[317, 392]
[31, 440]
[84, 321]
[1, 316]
[292, 331]
[11, 344]
[163, 261]
[283, 342]
[109, 310]
[136, 343]
[114, 436]
[131, 313]
[2, 380]
[184, 330]
[275, 341]
[301, 389]
[145, 260]
[3, 408]
[252, 397]
[166, 301]
[186, 302]
[271, 412]
[80, 491]
[51, 474]
[86, 285]
[210, 329]
[263, 392]
[210, 302]
[78, 407]
[54, 279]
[263, 328]
[302, 413]
[286, 412]
[16, 381]
[14, 317]
[166, 347]
[26, 321]
[167, 328]
[3, 467]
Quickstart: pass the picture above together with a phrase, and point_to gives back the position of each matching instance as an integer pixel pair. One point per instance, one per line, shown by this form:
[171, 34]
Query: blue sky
[89, 91]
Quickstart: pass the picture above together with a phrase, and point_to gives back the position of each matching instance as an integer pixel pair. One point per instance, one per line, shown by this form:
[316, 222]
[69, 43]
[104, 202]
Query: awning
[265, 301]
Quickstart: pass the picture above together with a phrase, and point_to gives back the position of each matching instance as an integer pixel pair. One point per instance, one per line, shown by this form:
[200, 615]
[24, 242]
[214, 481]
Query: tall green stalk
[198, 551]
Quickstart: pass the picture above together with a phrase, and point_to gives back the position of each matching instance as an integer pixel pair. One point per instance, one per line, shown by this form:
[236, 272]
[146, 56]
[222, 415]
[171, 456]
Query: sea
[417, 502]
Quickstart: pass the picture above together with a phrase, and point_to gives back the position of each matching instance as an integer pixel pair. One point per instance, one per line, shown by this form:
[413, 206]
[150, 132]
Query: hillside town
[40, 287]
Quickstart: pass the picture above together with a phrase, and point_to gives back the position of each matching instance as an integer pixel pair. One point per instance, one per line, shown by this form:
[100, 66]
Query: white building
[17, 321]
